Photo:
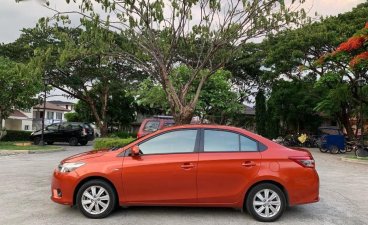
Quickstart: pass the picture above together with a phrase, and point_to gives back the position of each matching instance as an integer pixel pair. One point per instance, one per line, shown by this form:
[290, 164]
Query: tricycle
[332, 140]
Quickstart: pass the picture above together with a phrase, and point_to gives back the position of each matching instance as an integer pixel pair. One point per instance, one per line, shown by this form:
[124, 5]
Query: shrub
[16, 135]
[101, 143]
[122, 134]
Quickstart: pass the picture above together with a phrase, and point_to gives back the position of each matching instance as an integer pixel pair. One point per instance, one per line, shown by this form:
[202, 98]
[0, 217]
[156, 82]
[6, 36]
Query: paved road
[25, 192]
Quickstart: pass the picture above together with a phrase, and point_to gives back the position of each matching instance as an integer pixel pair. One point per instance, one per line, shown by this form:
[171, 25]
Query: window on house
[67, 106]
[59, 116]
[50, 115]
[26, 127]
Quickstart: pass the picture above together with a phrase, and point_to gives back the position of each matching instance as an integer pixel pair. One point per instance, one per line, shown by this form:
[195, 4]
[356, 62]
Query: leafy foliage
[105, 143]
[170, 33]
[16, 135]
[217, 102]
[18, 87]
[261, 115]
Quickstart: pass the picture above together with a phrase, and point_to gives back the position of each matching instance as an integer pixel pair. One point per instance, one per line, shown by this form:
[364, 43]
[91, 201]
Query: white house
[31, 119]
[19, 120]
[66, 105]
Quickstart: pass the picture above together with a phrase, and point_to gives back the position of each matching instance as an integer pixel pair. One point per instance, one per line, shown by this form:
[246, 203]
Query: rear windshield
[152, 125]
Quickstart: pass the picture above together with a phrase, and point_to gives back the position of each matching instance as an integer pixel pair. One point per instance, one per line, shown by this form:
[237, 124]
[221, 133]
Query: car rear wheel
[96, 199]
[73, 141]
[266, 202]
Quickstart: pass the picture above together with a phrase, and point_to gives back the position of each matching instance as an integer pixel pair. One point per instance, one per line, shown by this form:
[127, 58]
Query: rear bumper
[305, 188]
[63, 186]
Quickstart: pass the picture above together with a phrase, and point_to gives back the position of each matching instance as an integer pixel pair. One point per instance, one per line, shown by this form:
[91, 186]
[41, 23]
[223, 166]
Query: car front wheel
[266, 202]
[96, 199]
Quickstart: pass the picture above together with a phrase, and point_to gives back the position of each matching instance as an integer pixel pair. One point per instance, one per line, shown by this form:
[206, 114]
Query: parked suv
[73, 133]
[156, 123]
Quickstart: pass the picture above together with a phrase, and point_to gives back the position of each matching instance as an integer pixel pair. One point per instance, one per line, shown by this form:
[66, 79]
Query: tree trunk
[183, 116]
[1, 123]
[345, 119]
[103, 129]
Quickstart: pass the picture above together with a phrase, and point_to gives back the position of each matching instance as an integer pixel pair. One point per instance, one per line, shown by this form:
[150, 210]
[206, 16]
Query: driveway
[25, 197]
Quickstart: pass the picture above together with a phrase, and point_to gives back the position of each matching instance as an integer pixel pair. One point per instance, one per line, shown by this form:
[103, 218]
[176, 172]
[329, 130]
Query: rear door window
[247, 144]
[220, 141]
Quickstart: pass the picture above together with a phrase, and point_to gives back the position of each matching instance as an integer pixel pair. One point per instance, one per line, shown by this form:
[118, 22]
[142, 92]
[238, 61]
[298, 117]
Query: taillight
[305, 161]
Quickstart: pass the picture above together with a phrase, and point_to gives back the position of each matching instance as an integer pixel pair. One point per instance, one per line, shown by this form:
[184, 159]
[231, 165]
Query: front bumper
[63, 186]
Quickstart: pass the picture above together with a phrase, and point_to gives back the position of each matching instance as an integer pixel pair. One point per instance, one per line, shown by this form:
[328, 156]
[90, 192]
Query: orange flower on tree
[357, 59]
[353, 43]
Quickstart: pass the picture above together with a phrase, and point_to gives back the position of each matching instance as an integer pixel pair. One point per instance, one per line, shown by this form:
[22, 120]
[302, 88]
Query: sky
[15, 16]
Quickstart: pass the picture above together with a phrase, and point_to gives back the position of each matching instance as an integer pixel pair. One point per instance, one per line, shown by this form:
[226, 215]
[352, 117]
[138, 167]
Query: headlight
[69, 167]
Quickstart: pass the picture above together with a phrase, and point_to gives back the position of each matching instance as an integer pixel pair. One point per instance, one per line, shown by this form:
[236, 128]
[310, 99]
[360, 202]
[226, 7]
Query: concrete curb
[354, 160]
[12, 152]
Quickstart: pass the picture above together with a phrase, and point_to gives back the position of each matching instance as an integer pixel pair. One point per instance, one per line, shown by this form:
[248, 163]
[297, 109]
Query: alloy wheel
[266, 203]
[95, 200]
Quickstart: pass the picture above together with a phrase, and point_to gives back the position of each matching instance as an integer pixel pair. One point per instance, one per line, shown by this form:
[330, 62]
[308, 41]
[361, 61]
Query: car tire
[83, 143]
[73, 141]
[36, 140]
[323, 150]
[94, 205]
[50, 142]
[266, 202]
[334, 149]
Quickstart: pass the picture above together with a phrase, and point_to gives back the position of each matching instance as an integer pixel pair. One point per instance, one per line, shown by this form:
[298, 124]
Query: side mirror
[135, 150]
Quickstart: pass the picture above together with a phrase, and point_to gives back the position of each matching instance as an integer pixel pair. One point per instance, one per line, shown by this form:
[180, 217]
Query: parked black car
[73, 133]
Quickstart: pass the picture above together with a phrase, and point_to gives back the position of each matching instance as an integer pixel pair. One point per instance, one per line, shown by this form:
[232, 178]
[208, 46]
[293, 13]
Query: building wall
[13, 124]
[50, 118]
[27, 125]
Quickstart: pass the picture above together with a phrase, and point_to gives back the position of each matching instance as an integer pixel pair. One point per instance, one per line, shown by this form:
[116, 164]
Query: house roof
[17, 114]
[51, 106]
[56, 102]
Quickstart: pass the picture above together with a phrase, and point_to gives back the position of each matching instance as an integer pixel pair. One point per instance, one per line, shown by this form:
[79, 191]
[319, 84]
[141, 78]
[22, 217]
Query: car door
[165, 171]
[51, 132]
[227, 163]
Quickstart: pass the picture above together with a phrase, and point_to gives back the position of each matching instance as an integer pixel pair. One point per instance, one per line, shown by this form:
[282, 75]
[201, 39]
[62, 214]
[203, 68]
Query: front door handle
[187, 166]
[248, 164]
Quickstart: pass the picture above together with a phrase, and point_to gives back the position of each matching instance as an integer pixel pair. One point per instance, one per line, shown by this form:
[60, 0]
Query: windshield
[152, 125]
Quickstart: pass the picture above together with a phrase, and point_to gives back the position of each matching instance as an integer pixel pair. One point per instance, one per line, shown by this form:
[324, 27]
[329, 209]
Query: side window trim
[195, 150]
[260, 146]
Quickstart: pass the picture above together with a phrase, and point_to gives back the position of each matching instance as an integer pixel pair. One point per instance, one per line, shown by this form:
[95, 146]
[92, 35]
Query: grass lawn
[11, 146]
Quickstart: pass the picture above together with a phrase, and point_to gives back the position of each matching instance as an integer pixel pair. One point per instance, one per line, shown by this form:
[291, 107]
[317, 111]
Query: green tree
[85, 64]
[120, 109]
[292, 103]
[217, 102]
[171, 33]
[261, 113]
[300, 54]
[18, 87]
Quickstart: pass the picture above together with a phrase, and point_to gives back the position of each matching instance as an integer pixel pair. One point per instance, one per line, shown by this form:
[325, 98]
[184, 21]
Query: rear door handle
[187, 166]
[248, 164]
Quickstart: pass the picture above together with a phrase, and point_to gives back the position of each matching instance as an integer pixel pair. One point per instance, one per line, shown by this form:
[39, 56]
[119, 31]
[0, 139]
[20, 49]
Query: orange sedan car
[191, 165]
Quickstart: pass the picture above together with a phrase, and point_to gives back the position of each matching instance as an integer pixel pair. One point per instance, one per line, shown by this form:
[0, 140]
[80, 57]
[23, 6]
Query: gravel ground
[25, 197]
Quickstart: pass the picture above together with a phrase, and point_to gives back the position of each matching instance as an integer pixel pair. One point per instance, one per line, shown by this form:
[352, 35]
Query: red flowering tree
[356, 50]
